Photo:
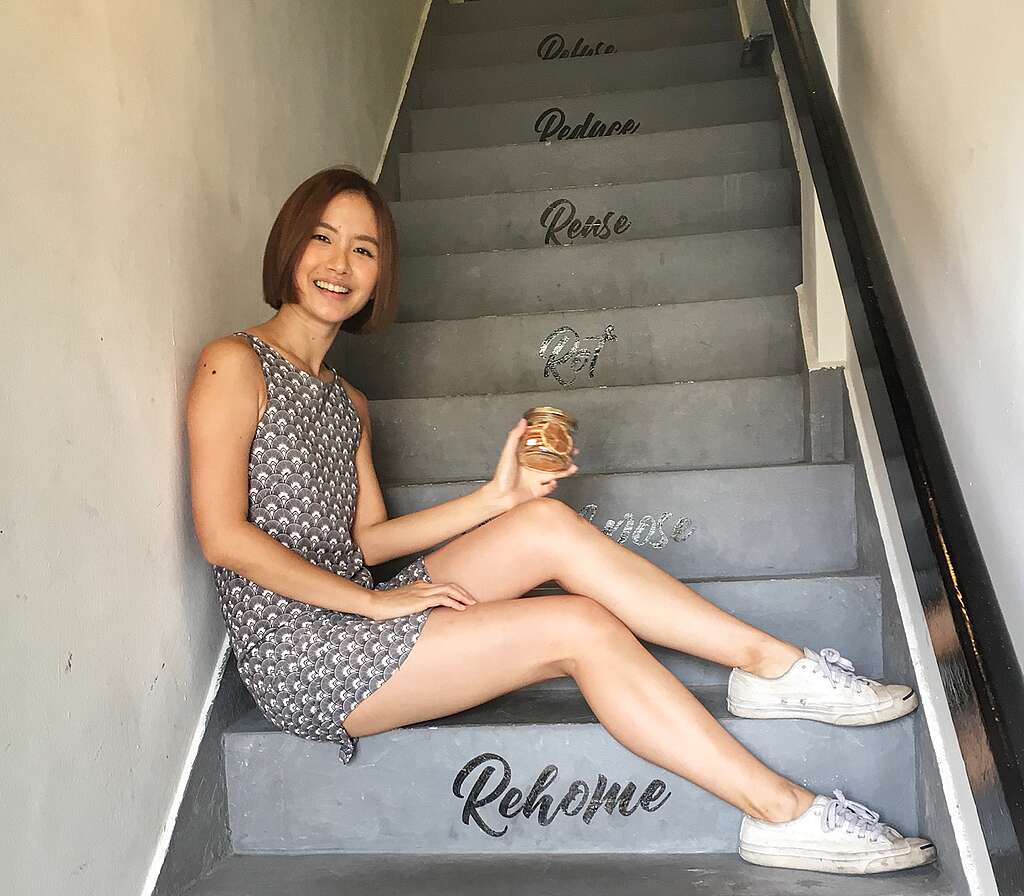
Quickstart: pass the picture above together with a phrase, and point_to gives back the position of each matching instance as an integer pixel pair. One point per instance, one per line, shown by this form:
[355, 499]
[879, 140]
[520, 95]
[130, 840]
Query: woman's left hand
[513, 483]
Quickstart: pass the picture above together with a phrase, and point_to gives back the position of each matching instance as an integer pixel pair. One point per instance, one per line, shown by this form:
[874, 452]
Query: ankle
[788, 803]
[774, 658]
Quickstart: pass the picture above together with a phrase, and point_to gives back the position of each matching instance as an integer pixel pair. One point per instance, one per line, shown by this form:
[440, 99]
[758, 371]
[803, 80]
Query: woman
[289, 511]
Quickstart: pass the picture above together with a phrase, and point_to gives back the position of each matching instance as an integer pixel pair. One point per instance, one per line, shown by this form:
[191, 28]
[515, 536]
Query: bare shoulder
[228, 370]
[229, 354]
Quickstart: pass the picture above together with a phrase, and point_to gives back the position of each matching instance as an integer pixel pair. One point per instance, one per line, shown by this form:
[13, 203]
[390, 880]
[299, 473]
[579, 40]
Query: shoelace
[839, 670]
[857, 818]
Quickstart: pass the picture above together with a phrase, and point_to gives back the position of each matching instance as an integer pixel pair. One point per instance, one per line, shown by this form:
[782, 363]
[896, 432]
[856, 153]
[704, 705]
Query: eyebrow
[359, 236]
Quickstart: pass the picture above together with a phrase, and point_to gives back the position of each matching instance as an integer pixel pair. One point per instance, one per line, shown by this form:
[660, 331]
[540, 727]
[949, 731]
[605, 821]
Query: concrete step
[641, 874]
[676, 426]
[668, 155]
[600, 214]
[435, 787]
[701, 524]
[488, 15]
[621, 113]
[625, 274]
[721, 340]
[572, 41]
[810, 612]
[641, 69]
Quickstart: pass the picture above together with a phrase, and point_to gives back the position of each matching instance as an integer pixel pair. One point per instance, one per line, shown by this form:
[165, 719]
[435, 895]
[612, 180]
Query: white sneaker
[822, 687]
[836, 836]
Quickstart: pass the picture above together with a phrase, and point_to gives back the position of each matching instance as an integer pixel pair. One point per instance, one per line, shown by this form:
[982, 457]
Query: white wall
[931, 99]
[146, 149]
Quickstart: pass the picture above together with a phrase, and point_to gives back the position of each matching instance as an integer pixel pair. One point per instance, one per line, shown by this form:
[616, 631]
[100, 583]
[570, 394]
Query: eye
[369, 254]
[321, 236]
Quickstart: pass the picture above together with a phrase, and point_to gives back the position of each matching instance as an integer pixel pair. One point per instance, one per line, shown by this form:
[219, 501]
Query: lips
[335, 289]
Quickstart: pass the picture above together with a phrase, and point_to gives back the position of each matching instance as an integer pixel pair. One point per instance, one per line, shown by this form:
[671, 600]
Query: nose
[339, 262]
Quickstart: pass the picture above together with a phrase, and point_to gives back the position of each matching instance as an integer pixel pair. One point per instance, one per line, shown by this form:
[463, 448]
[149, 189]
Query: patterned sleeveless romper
[308, 667]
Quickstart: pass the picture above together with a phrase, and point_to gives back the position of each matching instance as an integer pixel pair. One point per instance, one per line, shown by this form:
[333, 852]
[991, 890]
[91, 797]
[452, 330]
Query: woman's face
[341, 255]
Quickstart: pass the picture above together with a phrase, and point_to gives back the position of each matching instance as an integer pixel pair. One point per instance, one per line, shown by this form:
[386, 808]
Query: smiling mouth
[333, 288]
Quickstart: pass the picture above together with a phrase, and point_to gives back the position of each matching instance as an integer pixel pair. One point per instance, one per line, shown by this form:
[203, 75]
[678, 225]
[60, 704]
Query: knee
[549, 515]
[586, 626]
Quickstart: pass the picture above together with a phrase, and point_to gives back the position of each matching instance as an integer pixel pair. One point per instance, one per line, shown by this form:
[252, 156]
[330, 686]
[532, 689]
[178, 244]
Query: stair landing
[565, 875]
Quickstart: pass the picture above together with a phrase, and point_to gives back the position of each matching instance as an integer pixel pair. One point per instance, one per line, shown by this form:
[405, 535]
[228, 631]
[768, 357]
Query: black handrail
[980, 671]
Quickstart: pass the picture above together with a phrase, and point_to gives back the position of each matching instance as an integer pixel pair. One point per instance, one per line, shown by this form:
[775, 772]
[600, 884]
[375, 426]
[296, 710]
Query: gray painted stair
[768, 521]
[629, 273]
[716, 340]
[620, 71]
[475, 17]
[533, 42]
[720, 423]
[668, 155]
[806, 611]
[559, 118]
[539, 875]
[598, 214]
[287, 794]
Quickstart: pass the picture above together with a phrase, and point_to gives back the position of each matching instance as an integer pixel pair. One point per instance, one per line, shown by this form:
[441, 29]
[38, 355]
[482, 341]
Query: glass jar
[547, 442]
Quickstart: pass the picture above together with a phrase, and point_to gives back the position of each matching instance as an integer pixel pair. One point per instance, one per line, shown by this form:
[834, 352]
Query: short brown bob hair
[294, 228]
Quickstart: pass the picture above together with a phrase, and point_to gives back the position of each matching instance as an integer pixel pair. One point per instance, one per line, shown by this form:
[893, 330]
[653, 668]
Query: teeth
[330, 287]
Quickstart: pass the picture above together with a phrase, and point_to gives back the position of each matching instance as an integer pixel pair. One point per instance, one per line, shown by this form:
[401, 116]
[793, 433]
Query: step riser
[622, 71]
[672, 343]
[530, 44]
[717, 524]
[670, 155]
[709, 425]
[598, 215]
[560, 118]
[813, 613]
[291, 795]
[626, 274]
[468, 18]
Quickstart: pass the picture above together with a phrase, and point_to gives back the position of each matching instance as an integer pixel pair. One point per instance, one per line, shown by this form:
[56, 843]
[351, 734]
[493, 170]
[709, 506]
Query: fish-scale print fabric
[308, 667]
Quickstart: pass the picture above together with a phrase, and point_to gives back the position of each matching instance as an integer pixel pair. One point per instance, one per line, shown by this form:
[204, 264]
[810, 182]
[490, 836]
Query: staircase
[643, 280]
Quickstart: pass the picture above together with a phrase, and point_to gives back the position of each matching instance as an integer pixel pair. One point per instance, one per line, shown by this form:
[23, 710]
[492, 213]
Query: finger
[463, 595]
[457, 592]
[443, 601]
[512, 440]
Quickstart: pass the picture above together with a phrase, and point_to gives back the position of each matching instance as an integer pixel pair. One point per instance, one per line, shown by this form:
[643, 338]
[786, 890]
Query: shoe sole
[749, 710]
[808, 860]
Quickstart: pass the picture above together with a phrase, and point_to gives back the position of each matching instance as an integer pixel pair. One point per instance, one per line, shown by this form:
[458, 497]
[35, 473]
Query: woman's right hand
[391, 603]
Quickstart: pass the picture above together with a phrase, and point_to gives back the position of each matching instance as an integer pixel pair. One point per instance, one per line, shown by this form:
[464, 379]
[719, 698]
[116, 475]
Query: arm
[223, 410]
[380, 538]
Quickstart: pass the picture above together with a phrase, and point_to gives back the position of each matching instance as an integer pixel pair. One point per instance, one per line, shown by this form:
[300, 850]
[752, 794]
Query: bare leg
[545, 539]
[466, 657]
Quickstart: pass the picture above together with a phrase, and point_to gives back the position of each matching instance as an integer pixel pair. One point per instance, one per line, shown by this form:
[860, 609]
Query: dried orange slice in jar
[547, 442]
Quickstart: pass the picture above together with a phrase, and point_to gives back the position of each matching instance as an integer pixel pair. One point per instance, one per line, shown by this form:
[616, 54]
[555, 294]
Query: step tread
[447, 87]
[559, 313]
[669, 243]
[567, 146]
[666, 50]
[712, 20]
[450, 19]
[476, 108]
[702, 267]
[638, 874]
[513, 710]
[484, 200]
